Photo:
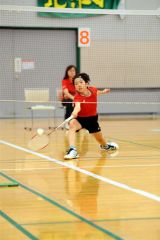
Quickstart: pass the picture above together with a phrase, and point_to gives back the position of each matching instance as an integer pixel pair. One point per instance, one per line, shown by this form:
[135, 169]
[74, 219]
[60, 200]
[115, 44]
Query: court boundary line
[135, 143]
[91, 166]
[17, 225]
[53, 202]
[107, 180]
[98, 220]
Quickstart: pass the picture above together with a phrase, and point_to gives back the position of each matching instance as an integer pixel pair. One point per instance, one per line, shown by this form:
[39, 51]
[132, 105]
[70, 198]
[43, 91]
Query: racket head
[38, 142]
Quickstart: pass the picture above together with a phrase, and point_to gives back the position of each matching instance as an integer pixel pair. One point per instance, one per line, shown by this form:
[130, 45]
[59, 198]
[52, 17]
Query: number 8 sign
[83, 37]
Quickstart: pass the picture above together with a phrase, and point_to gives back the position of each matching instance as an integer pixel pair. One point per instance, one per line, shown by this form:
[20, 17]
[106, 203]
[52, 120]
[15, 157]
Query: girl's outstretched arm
[104, 91]
[76, 109]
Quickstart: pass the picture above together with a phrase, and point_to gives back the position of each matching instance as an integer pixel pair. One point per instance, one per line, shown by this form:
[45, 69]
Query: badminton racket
[39, 142]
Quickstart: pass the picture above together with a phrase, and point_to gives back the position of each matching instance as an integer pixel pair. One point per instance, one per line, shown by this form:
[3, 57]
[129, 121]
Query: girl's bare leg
[74, 125]
[99, 137]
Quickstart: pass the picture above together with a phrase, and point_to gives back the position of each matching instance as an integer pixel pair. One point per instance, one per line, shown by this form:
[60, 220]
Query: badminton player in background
[68, 90]
[85, 114]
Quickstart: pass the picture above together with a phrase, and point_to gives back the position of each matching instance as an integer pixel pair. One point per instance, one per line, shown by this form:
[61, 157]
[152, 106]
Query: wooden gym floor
[100, 196]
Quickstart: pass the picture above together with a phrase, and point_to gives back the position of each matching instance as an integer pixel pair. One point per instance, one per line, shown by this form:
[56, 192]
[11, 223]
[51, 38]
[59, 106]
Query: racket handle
[69, 119]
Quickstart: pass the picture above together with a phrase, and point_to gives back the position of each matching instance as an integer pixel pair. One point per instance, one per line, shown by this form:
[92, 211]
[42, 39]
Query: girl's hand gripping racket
[39, 142]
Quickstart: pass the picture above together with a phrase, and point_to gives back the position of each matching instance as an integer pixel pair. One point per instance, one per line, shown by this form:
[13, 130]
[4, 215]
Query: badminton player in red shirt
[85, 114]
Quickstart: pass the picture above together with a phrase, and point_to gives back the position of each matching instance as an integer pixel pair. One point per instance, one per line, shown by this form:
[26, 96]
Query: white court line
[133, 165]
[102, 166]
[107, 180]
[156, 130]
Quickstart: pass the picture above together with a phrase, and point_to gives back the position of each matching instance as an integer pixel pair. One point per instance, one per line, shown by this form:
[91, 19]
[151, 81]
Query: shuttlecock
[40, 131]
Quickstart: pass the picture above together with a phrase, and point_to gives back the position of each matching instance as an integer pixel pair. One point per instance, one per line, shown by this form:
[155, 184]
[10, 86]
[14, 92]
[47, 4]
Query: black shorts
[90, 123]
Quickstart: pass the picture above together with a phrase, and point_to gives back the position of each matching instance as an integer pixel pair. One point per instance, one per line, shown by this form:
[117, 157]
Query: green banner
[81, 4]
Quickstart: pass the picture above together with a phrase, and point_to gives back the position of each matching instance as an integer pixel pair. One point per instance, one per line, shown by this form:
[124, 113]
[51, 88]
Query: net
[124, 55]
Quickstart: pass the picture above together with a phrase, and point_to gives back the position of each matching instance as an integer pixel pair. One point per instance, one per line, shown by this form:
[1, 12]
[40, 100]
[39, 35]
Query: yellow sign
[73, 4]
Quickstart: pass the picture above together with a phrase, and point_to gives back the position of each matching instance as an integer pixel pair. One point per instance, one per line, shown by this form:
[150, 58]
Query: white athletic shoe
[71, 154]
[109, 146]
